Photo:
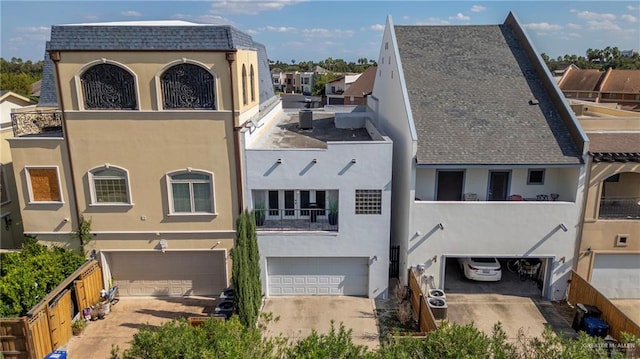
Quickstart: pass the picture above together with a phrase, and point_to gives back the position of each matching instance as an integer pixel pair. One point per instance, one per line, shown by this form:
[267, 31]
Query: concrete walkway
[124, 320]
[300, 315]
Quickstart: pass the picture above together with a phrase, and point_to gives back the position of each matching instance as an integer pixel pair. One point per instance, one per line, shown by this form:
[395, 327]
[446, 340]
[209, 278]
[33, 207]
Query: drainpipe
[55, 57]
[231, 57]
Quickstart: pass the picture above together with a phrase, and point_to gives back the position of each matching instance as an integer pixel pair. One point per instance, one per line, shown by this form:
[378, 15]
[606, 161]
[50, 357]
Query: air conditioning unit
[438, 307]
[305, 121]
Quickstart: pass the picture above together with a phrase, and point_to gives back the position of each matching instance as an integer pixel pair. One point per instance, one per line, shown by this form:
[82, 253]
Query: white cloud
[326, 33]
[280, 29]
[588, 15]
[629, 18]
[131, 13]
[377, 27]
[632, 8]
[249, 7]
[91, 17]
[574, 26]
[478, 8]
[35, 33]
[181, 16]
[460, 17]
[542, 26]
[573, 11]
[252, 32]
[603, 25]
[213, 19]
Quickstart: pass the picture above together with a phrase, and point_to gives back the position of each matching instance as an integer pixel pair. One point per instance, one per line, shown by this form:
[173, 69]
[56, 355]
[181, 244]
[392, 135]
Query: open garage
[511, 283]
[172, 273]
[318, 276]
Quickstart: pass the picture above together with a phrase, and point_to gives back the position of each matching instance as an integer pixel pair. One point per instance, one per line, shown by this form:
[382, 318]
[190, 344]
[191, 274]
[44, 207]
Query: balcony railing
[620, 207]
[296, 220]
[42, 123]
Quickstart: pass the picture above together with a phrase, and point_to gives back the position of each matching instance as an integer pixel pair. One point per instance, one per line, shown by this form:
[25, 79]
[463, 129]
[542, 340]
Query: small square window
[44, 184]
[535, 177]
[368, 201]
[622, 240]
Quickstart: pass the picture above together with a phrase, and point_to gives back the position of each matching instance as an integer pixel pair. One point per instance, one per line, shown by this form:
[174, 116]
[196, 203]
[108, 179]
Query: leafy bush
[29, 275]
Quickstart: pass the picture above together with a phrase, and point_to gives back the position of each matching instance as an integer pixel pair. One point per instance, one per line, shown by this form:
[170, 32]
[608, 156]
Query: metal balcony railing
[43, 123]
[296, 220]
[620, 207]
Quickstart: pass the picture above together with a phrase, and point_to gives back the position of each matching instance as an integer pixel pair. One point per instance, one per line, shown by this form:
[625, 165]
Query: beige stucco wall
[12, 237]
[600, 234]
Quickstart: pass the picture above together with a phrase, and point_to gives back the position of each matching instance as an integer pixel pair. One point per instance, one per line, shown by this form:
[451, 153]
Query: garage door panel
[168, 274]
[617, 275]
[318, 276]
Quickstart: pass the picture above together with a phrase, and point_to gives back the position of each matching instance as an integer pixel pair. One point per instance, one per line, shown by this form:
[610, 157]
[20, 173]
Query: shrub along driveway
[126, 317]
[300, 315]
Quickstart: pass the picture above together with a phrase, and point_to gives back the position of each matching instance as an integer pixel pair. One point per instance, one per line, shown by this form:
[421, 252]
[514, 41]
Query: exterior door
[498, 185]
[450, 185]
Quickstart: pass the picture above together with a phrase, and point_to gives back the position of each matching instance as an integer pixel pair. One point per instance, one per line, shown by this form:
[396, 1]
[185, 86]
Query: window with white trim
[109, 185]
[43, 184]
[108, 87]
[191, 192]
[368, 201]
[4, 191]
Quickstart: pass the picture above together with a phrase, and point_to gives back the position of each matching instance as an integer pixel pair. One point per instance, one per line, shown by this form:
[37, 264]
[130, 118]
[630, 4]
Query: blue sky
[315, 30]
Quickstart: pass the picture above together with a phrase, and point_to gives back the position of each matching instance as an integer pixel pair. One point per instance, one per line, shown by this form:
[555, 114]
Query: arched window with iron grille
[188, 87]
[108, 87]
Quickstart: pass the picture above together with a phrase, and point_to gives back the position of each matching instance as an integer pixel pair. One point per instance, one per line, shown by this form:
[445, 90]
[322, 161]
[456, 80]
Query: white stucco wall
[500, 229]
[358, 235]
[389, 102]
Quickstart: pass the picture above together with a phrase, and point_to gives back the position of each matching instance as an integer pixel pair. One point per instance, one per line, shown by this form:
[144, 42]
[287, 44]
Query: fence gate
[394, 262]
[60, 316]
[40, 337]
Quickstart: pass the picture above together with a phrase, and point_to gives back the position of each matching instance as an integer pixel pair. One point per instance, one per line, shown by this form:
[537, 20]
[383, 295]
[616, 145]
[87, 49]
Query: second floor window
[108, 87]
[188, 87]
[44, 184]
[191, 192]
[109, 186]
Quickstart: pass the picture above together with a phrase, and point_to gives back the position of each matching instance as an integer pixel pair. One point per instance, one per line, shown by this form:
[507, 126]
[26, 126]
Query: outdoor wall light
[353, 160]
[440, 225]
[434, 259]
[7, 222]
[418, 233]
[279, 161]
[65, 220]
[563, 227]
[375, 258]
[562, 259]
[315, 160]
[163, 245]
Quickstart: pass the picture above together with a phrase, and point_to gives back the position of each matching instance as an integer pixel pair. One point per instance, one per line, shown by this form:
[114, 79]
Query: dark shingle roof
[48, 91]
[364, 84]
[136, 37]
[469, 89]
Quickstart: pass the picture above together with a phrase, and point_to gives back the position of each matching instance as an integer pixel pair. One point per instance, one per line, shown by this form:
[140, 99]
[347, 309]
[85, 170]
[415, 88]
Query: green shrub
[29, 275]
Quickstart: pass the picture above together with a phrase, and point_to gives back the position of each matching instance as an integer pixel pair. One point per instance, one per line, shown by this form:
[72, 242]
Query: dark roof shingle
[470, 89]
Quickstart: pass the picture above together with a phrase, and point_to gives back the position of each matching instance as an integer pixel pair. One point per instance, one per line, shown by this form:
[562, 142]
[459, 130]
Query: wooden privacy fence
[47, 326]
[581, 291]
[426, 320]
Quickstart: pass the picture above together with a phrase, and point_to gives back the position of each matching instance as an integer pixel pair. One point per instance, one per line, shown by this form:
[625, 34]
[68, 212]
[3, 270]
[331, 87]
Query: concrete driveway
[126, 317]
[300, 315]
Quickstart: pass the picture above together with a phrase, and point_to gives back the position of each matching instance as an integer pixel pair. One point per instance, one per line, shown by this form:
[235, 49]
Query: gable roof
[580, 80]
[364, 84]
[6, 95]
[470, 89]
[622, 81]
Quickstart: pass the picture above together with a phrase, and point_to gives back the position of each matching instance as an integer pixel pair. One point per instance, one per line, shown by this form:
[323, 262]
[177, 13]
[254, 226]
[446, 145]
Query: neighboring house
[489, 160]
[323, 183]
[357, 93]
[278, 77]
[334, 90]
[609, 249]
[10, 219]
[611, 86]
[35, 88]
[559, 72]
[306, 82]
[144, 141]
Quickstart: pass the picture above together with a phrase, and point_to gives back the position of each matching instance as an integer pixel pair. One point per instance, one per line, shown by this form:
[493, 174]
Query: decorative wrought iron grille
[108, 87]
[188, 86]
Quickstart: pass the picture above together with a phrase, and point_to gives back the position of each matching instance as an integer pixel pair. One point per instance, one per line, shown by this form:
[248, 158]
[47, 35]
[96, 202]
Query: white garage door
[168, 274]
[617, 275]
[318, 276]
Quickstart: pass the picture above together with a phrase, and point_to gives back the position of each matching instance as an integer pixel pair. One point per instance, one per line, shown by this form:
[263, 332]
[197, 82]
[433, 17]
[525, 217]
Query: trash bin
[584, 311]
[313, 212]
[596, 327]
[57, 354]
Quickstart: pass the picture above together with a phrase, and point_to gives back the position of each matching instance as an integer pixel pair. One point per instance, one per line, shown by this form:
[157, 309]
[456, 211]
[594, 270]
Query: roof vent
[534, 102]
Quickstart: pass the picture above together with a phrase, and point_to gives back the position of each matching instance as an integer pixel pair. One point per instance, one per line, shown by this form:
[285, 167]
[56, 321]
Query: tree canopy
[18, 76]
[600, 59]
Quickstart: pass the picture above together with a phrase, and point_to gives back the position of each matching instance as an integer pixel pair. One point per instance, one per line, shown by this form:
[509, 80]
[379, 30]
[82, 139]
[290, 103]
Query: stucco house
[10, 219]
[488, 158]
[322, 184]
[334, 89]
[138, 130]
[609, 247]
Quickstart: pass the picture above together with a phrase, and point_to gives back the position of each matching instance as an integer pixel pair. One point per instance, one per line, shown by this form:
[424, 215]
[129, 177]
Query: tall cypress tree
[246, 270]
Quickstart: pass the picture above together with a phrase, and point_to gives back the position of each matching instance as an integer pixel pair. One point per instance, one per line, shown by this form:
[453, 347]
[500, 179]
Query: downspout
[231, 56]
[55, 57]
